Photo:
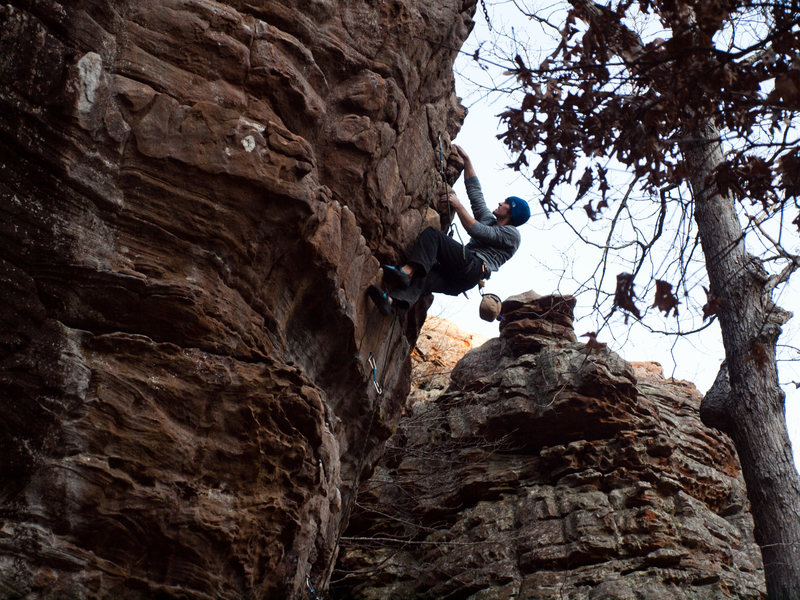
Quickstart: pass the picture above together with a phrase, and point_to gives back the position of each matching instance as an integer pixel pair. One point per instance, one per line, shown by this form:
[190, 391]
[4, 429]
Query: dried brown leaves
[758, 355]
[624, 295]
[593, 344]
[665, 300]
[711, 305]
[673, 87]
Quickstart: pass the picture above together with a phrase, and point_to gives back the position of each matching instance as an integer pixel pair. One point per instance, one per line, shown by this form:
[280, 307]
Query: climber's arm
[469, 170]
[467, 220]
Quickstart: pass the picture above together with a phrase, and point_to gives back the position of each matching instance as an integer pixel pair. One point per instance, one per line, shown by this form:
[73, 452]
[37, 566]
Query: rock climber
[437, 263]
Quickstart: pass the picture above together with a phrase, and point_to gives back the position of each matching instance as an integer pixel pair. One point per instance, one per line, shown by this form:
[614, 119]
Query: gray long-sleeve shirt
[492, 243]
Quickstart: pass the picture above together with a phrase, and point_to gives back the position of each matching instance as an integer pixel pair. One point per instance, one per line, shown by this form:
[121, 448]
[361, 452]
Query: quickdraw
[446, 187]
[452, 228]
[311, 588]
[348, 507]
[374, 366]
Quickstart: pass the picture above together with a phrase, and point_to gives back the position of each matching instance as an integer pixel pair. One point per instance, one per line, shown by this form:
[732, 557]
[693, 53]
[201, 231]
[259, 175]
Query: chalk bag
[490, 307]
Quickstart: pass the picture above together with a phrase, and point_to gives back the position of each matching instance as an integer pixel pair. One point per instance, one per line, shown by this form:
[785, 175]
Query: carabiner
[374, 368]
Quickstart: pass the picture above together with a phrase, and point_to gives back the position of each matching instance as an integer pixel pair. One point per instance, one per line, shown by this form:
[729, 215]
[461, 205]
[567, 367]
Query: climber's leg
[380, 299]
[454, 281]
[434, 246]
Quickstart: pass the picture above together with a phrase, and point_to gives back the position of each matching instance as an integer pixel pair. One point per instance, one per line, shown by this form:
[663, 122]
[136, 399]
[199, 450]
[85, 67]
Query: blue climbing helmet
[520, 211]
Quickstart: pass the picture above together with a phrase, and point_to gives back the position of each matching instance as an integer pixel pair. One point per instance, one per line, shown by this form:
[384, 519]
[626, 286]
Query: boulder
[550, 468]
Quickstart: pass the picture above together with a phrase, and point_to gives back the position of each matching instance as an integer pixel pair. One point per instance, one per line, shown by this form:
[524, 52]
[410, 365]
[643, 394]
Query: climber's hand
[450, 198]
[460, 151]
[469, 170]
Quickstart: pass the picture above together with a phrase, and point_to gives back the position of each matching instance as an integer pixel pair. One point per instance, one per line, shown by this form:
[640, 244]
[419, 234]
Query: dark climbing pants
[442, 265]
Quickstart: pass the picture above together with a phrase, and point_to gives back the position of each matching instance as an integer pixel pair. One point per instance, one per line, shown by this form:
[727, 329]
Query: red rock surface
[547, 471]
[193, 197]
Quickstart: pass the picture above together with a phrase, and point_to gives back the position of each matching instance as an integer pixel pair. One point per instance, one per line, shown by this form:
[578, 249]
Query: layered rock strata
[193, 197]
[549, 469]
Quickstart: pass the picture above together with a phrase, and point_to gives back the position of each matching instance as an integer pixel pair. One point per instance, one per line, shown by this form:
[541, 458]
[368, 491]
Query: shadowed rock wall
[547, 472]
[193, 197]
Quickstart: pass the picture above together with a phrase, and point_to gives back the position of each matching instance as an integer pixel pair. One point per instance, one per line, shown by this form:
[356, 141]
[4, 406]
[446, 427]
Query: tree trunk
[746, 402]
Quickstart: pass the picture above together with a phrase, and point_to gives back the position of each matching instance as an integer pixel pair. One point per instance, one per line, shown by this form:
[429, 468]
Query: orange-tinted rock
[439, 347]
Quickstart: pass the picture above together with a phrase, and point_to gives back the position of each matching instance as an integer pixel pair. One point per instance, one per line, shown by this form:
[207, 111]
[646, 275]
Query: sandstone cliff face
[547, 472]
[439, 347]
[194, 196]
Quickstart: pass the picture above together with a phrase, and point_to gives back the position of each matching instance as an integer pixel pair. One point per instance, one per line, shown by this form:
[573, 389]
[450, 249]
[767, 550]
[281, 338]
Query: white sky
[552, 260]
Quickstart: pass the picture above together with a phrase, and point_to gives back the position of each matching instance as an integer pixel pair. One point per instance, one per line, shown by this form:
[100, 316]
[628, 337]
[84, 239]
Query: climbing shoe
[396, 276]
[380, 299]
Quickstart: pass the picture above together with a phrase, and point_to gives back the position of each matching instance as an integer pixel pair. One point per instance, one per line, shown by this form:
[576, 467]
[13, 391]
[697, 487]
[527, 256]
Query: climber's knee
[429, 232]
